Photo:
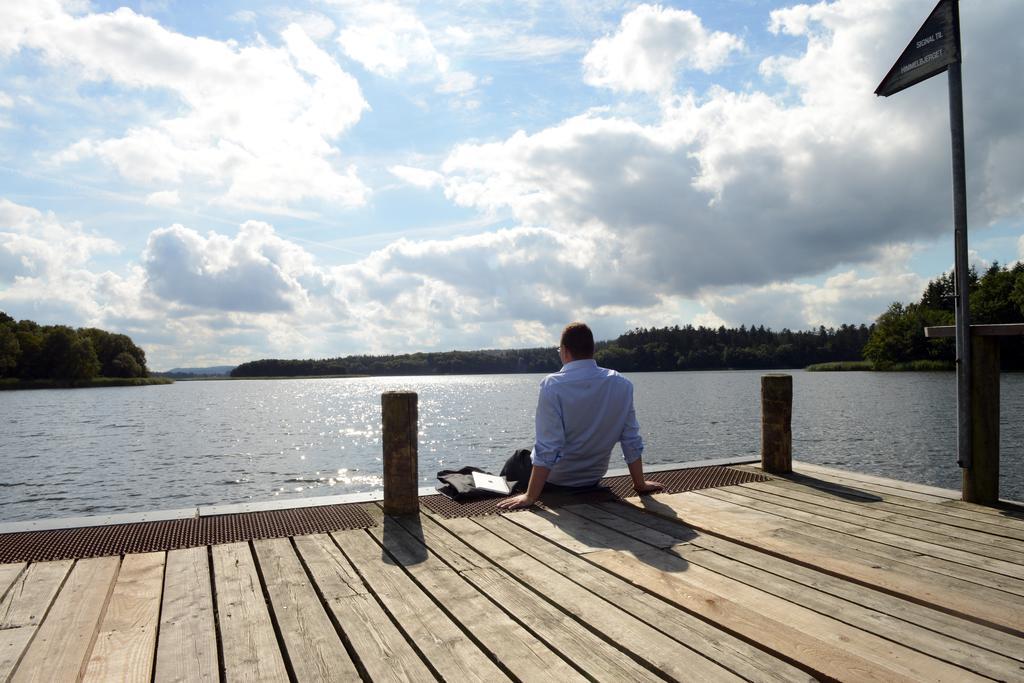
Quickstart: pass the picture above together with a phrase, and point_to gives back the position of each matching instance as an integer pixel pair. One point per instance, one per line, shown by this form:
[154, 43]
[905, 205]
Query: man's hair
[578, 340]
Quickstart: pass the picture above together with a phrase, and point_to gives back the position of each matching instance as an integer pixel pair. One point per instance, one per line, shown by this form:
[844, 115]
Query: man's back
[582, 411]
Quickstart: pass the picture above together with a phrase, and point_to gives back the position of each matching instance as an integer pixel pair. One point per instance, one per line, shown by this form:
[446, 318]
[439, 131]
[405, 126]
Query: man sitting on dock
[582, 411]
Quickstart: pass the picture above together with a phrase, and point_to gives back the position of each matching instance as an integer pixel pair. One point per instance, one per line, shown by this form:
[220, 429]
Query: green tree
[32, 363]
[70, 356]
[109, 347]
[940, 294]
[898, 336]
[992, 301]
[125, 365]
[10, 351]
[1017, 295]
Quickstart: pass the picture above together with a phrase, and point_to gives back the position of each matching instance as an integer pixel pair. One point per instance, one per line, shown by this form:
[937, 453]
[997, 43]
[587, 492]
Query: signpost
[936, 48]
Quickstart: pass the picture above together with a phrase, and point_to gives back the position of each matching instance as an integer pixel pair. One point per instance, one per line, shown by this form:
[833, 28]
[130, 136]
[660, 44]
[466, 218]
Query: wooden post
[776, 423]
[400, 423]
[981, 479]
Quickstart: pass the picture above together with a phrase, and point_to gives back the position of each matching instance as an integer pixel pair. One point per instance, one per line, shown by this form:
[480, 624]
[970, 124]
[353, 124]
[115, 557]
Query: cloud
[256, 123]
[852, 296]
[234, 297]
[255, 272]
[420, 177]
[391, 41]
[508, 41]
[243, 16]
[6, 102]
[455, 293]
[163, 198]
[651, 44]
[387, 39]
[975, 259]
[17, 18]
[254, 293]
[35, 245]
[752, 188]
[315, 25]
[45, 267]
[787, 202]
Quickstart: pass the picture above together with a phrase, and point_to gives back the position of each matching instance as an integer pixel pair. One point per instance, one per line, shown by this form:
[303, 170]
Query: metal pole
[963, 326]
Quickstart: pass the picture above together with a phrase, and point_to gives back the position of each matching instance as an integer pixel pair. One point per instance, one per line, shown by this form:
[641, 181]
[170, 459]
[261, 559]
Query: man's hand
[649, 487]
[538, 475]
[520, 501]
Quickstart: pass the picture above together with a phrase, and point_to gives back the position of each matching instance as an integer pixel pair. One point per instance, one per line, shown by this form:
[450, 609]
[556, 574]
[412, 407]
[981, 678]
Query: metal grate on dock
[143, 537]
[608, 489]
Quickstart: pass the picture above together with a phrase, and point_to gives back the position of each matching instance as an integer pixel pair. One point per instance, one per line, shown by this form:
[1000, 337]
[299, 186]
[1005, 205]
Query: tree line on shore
[641, 349]
[895, 340]
[996, 297]
[30, 351]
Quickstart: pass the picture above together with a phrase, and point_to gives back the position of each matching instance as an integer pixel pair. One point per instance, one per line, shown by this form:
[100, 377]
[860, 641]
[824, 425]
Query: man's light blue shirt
[582, 411]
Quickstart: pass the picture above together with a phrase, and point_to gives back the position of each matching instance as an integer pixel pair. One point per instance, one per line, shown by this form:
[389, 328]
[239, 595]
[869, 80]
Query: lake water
[79, 452]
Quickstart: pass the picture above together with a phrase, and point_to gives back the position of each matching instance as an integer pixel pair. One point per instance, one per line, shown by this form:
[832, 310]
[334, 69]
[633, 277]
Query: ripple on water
[222, 442]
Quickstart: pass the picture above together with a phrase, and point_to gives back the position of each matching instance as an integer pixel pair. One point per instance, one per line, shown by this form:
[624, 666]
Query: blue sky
[236, 180]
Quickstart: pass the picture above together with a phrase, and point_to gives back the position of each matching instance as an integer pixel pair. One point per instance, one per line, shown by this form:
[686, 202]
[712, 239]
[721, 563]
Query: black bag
[517, 470]
[458, 484]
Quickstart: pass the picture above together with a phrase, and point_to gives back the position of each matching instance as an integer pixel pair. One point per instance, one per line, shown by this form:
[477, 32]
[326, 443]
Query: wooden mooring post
[777, 423]
[400, 425]
[981, 479]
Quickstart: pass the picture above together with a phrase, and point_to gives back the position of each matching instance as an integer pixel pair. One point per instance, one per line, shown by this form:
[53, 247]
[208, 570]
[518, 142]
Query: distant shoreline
[94, 383]
[868, 366]
[843, 366]
[220, 378]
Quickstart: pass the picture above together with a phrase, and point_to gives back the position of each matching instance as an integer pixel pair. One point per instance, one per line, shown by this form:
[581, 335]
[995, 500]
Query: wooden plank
[892, 488]
[1010, 549]
[251, 652]
[732, 653]
[1011, 516]
[920, 492]
[908, 486]
[512, 642]
[777, 535]
[943, 513]
[379, 647]
[8, 573]
[936, 645]
[909, 497]
[970, 632]
[617, 626]
[910, 537]
[314, 648]
[829, 647]
[62, 644]
[447, 647]
[187, 648]
[23, 607]
[820, 642]
[126, 644]
[981, 570]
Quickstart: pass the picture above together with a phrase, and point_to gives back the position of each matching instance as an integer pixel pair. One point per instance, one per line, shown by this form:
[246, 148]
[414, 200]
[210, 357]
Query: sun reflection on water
[69, 452]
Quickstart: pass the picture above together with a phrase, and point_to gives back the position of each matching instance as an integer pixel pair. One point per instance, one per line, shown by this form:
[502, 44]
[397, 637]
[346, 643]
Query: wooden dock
[824, 574]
